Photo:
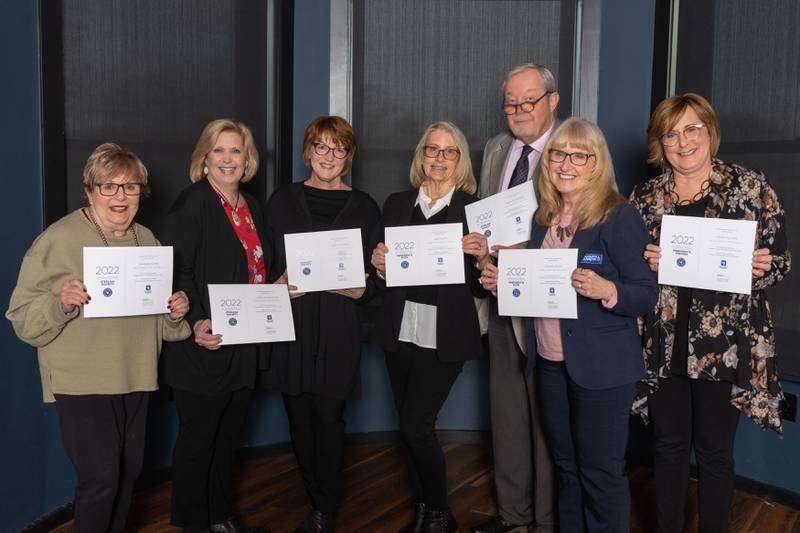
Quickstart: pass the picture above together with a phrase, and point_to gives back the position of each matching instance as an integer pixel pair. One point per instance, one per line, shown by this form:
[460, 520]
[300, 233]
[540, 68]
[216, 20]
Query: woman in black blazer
[587, 368]
[429, 331]
[216, 231]
[321, 369]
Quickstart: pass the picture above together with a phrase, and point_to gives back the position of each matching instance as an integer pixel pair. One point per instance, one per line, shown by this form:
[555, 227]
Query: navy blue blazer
[602, 347]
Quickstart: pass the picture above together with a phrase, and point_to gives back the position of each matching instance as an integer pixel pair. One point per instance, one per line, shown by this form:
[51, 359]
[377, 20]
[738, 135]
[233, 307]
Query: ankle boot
[316, 522]
[419, 516]
[437, 521]
[232, 525]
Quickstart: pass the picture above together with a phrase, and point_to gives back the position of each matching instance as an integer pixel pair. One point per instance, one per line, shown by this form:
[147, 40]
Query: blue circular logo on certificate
[404, 264]
[107, 292]
[488, 233]
[306, 271]
[232, 321]
[681, 262]
[516, 293]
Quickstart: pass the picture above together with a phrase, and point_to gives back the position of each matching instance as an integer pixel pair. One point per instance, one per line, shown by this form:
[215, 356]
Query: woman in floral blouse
[709, 355]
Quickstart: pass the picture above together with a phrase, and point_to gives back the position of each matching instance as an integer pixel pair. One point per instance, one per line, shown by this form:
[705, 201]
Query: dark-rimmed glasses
[690, 133]
[527, 106]
[339, 152]
[109, 188]
[578, 159]
[432, 152]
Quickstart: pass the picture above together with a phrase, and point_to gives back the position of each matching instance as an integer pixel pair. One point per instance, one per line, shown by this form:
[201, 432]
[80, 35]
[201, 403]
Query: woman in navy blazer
[587, 368]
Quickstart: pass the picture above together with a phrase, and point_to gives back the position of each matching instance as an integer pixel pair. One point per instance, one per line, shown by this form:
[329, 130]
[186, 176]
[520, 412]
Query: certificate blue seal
[306, 271]
[404, 264]
[232, 321]
[107, 292]
[516, 293]
[488, 233]
[681, 262]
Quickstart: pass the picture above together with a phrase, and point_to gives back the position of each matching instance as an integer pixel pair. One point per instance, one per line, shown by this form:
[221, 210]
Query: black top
[680, 347]
[325, 358]
[207, 250]
[458, 336]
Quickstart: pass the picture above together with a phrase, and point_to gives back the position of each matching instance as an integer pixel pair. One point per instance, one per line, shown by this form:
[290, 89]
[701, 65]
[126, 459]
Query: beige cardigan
[77, 355]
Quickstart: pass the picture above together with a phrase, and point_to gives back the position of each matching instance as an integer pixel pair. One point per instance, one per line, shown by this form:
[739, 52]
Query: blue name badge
[590, 258]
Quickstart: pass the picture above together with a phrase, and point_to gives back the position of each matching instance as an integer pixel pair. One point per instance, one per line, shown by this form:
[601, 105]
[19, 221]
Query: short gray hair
[547, 76]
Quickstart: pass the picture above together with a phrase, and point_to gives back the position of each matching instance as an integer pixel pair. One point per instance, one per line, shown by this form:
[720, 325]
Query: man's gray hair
[547, 76]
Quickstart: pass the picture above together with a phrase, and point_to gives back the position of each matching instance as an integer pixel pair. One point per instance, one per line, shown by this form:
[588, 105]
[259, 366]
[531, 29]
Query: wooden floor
[377, 499]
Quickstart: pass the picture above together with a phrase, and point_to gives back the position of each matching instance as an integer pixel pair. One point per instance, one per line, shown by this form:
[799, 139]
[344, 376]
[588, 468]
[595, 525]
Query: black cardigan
[458, 336]
[334, 357]
[207, 250]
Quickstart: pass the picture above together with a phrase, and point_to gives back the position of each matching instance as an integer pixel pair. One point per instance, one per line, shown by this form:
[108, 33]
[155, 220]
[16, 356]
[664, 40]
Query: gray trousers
[523, 467]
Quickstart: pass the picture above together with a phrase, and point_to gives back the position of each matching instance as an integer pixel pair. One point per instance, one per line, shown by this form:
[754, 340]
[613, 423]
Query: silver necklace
[234, 208]
[88, 212]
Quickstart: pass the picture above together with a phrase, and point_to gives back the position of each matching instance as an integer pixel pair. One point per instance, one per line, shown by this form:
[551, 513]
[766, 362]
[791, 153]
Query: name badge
[592, 259]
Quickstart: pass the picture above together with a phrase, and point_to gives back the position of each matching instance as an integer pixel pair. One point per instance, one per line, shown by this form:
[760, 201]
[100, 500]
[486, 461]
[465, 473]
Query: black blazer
[207, 250]
[458, 336]
[602, 347]
[327, 325]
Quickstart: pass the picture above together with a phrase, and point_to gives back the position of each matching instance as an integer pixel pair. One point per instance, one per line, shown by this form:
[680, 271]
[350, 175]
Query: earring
[205, 171]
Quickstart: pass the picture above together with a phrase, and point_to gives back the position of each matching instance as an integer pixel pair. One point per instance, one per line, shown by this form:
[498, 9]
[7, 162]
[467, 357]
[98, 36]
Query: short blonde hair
[599, 198]
[464, 178]
[668, 113]
[109, 161]
[208, 139]
[335, 128]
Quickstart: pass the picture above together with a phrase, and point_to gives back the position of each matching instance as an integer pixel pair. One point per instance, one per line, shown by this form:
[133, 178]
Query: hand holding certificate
[428, 254]
[325, 260]
[707, 253]
[244, 313]
[537, 283]
[127, 280]
[504, 218]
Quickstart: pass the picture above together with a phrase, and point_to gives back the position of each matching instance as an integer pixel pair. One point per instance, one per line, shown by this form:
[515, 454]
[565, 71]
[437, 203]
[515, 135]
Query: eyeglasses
[431, 152]
[110, 188]
[577, 158]
[339, 152]
[690, 133]
[527, 106]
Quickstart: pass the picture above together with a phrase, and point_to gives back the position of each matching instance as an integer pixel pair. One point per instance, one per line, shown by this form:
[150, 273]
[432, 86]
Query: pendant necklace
[88, 212]
[234, 208]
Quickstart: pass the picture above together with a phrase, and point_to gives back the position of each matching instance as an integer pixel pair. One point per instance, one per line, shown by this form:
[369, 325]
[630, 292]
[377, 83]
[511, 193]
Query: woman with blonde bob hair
[428, 332]
[587, 368]
[198, 170]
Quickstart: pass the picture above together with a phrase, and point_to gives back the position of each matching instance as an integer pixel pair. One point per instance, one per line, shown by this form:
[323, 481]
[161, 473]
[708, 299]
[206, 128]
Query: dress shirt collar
[423, 201]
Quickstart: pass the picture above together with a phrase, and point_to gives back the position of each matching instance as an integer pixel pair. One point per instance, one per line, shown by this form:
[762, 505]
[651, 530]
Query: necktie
[520, 174]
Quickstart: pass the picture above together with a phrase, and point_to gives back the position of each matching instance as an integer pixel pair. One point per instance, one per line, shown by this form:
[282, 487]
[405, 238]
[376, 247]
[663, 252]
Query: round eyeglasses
[578, 159]
[110, 188]
[432, 152]
[526, 107]
[339, 152]
[690, 133]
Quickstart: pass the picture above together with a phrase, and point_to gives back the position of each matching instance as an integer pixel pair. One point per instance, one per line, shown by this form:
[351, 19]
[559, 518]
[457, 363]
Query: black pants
[421, 384]
[688, 412]
[103, 435]
[316, 426]
[208, 435]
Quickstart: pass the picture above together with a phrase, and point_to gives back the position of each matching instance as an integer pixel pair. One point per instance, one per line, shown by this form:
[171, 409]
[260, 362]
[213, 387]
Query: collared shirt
[533, 157]
[418, 325]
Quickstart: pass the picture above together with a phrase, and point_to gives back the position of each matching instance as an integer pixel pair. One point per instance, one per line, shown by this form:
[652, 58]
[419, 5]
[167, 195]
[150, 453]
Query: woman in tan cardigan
[99, 371]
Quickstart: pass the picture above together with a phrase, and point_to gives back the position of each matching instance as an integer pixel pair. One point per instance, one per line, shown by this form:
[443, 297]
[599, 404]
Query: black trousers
[103, 435]
[208, 435]
[688, 412]
[316, 425]
[421, 384]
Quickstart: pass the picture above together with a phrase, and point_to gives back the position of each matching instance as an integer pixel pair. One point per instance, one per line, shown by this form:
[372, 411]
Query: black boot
[438, 522]
[232, 525]
[315, 522]
[419, 516]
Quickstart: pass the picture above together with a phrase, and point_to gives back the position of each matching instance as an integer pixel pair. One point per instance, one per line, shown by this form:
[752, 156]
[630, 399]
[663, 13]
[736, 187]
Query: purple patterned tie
[520, 174]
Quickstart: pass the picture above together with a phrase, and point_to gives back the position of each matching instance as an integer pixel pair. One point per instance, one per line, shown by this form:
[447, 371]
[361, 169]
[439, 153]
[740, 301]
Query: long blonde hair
[599, 197]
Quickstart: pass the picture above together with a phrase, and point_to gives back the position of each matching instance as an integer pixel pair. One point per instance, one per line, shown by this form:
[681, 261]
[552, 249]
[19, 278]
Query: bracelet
[378, 273]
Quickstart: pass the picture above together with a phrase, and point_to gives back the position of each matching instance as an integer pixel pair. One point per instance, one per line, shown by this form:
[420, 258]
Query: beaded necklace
[88, 213]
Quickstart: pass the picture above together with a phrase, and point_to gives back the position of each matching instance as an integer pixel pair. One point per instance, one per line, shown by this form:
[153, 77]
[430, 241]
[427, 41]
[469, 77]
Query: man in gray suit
[523, 468]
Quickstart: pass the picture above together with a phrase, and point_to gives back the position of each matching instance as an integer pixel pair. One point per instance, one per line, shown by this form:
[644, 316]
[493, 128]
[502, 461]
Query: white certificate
[537, 283]
[707, 253]
[244, 313]
[504, 218]
[127, 280]
[325, 260]
[428, 254]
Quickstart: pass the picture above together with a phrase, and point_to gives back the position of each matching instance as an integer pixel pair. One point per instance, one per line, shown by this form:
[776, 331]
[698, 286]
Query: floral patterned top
[242, 222]
[730, 335]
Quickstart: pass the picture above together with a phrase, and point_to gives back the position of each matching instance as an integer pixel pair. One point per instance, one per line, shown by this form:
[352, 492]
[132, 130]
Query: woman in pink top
[587, 368]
